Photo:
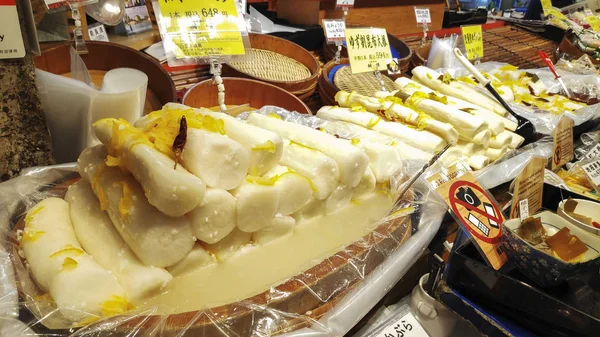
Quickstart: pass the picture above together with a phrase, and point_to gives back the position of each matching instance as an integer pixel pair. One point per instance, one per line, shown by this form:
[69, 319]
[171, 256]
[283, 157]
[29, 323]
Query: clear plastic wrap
[327, 299]
[545, 122]
[511, 165]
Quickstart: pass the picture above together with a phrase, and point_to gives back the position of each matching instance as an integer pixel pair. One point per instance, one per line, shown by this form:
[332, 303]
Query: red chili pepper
[595, 224]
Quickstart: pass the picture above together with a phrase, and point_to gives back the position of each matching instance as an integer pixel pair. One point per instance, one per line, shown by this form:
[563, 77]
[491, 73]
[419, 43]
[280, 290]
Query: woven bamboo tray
[240, 91]
[278, 62]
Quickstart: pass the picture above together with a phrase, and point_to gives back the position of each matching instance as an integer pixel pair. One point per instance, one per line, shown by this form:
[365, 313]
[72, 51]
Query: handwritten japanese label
[588, 12]
[592, 170]
[594, 23]
[368, 49]
[335, 30]
[594, 152]
[473, 38]
[344, 3]
[422, 15]
[200, 28]
[97, 32]
[407, 326]
[11, 40]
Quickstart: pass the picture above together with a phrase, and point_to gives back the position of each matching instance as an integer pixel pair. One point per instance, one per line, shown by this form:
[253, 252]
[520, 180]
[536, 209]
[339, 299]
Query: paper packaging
[528, 186]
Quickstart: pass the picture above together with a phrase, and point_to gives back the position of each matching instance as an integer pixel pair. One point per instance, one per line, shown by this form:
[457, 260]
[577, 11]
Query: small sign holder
[423, 17]
[345, 6]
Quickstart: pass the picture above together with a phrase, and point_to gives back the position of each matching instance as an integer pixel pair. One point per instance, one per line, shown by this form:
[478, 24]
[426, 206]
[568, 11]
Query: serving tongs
[550, 65]
[525, 128]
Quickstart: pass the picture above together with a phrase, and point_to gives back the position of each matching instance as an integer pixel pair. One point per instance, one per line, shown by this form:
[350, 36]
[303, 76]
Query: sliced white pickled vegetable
[215, 218]
[102, 241]
[230, 245]
[198, 258]
[352, 162]
[495, 154]
[321, 170]
[366, 186]
[477, 162]
[313, 209]
[77, 283]
[482, 138]
[516, 140]
[457, 89]
[265, 147]
[340, 198]
[173, 191]
[155, 238]
[501, 140]
[257, 203]
[216, 159]
[281, 226]
[422, 140]
[496, 123]
[399, 113]
[295, 190]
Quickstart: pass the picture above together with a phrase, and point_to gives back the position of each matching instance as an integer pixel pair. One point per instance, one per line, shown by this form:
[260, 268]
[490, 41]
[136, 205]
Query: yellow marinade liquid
[254, 269]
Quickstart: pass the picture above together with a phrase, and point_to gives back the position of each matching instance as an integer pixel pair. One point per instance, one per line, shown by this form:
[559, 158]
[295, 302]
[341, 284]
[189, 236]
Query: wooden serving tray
[297, 303]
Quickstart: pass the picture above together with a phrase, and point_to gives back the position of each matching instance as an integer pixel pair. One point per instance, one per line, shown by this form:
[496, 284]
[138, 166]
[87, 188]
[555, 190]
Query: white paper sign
[524, 209]
[594, 152]
[554, 180]
[593, 171]
[423, 15]
[335, 30]
[97, 32]
[588, 12]
[11, 40]
[407, 326]
[344, 3]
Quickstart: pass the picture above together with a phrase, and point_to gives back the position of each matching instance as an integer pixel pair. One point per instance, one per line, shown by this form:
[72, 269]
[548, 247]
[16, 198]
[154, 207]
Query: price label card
[344, 3]
[473, 38]
[554, 180]
[594, 152]
[546, 6]
[335, 30]
[11, 40]
[592, 170]
[588, 12]
[474, 210]
[97, 32]
[594, 23]
[555, 13]
[407, 326]
[563, 143]
[202, 28]
[423, 15]
[528, 186]
[368, 49]
[524, 209]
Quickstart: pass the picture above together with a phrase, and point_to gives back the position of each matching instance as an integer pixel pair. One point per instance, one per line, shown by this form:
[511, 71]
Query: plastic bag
[545, 122]
[336, 304]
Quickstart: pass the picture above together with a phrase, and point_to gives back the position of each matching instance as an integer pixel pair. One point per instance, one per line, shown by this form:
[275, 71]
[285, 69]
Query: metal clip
[77, 32]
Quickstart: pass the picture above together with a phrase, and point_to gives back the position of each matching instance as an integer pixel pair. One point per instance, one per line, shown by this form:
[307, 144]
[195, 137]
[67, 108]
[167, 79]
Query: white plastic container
[435, 318]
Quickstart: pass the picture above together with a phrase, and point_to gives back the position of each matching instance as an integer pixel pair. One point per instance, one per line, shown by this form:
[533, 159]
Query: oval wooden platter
[296, 303]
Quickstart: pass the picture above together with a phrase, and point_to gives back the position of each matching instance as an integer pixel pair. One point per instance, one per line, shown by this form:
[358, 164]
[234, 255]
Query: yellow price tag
[368, 49]
[556, 13]
[473, 38]
[201, 28]
[546, 6]
[594, 23]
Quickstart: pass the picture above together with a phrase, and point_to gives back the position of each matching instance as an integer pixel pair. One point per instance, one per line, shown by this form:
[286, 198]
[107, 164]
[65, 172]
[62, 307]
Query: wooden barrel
[300, 87]
[105, 56]
[420, 55]
[327, 89]
[400, 46]
[240, 91]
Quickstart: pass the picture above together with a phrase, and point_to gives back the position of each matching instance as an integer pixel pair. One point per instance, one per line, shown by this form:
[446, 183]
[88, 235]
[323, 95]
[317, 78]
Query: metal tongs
[552, 68]
[525, 128]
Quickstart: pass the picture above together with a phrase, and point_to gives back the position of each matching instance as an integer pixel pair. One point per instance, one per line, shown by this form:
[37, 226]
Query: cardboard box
[397, 17]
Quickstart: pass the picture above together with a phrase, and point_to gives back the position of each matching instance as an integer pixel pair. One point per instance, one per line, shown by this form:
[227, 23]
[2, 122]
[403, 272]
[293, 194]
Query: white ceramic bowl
[584, 207]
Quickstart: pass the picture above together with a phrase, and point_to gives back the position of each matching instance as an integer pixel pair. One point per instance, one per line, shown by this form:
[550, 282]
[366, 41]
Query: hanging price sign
[588, 12]
[422, 15]
[368, 49]
[335, 30]
[344, 3]
[201, 28]
[594, 23]
[473, 38]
